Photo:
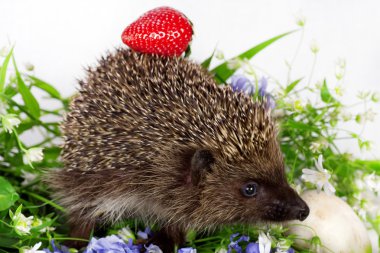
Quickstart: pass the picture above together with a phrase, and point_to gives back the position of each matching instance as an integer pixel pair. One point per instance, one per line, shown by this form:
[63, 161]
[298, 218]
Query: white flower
[28, 66]
[265, 243]
[346, 115]
[300, 20]
[28, 177]
[4, 51]
[314, 47]
[339, 90]
[221, 250]
[9, 121]
[319, 177]
[33, 155]
[34, 249]
[298, 105]
[282, 246]
[22, 224]
[234, 63]
[153, 249]
[369, 115]
[318, 145]
[126, 234]
[375, 97]
[373, 182]
[219, 55]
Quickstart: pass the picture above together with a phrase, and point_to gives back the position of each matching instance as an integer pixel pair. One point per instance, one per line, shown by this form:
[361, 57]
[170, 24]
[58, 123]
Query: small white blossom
[346, 115]
[314, 47]
[21, 223]
[339, 90]
[375, 97]
[300, 20]
[373, 182]
[298, 105]
[318, 145]
[38, 222]
[219, 54]
[126, 234]
[265, 243]
[28, 66]
[234, 63]
[34, 249]
[282, 246]
[28, 177]
[9, 122]
[319, 177]
[369, 115]
[221, 250]
[33, 155]
[4, 51]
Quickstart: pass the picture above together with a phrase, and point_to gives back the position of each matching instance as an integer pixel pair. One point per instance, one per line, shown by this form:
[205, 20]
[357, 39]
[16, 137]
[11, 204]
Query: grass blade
[53, 92]
[3, 70]
[291, 86]
[222, 72]
[30, 101]
[206, 63]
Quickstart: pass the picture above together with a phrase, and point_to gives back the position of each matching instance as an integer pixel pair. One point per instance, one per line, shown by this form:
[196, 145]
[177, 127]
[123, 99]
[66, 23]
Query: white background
[61, 37]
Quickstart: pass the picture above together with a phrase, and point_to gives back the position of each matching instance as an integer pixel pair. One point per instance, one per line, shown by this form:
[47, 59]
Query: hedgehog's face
[247, 191]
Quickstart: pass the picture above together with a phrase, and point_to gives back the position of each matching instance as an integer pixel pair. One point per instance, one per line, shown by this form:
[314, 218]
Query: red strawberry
[163, 31]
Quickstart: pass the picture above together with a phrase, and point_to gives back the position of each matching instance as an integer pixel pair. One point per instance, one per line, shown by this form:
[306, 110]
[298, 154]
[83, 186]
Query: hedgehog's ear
[200, 164]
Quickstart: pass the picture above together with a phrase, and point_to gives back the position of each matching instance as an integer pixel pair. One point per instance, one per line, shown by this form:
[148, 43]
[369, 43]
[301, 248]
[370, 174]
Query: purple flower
[153, 249]
[111, 244]
[234, 245]
[252, 248]
[243, 84]
[187, 250]
[263, 86]
[144, 235]
[57, 249]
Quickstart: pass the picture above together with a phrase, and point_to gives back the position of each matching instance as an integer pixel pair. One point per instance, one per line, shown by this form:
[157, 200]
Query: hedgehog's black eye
[249, 189]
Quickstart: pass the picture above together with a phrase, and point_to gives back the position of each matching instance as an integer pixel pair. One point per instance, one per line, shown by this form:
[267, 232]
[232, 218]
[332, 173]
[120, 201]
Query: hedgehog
[156, 139]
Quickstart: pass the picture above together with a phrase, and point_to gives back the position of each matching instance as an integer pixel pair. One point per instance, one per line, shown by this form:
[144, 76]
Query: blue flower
[187, 250]
[144, 235]
[252, 248]
[234, 245]
[263, 86]
[153, 249]
[243, 84]
[112, 244]
[56, 249]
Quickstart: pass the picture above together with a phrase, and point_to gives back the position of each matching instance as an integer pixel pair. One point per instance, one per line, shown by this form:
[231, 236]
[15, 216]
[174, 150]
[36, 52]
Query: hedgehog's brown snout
[287, 205]
[298, 208]
[302, 209]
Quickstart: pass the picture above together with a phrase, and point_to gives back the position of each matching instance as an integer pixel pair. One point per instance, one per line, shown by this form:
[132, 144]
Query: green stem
[295, 55]
[43, 199]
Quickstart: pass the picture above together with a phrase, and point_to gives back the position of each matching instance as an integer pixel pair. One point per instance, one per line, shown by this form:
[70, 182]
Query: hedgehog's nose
[303, 213]
[302, 210]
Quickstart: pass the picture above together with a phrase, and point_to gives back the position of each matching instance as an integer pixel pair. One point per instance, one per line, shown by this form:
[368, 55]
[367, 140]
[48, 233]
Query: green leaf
[291, 86]
[222, 72]
[8, 195]
[3, 70]
[29, 100]
[206, 63]
[325, 93]
[53, 92]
